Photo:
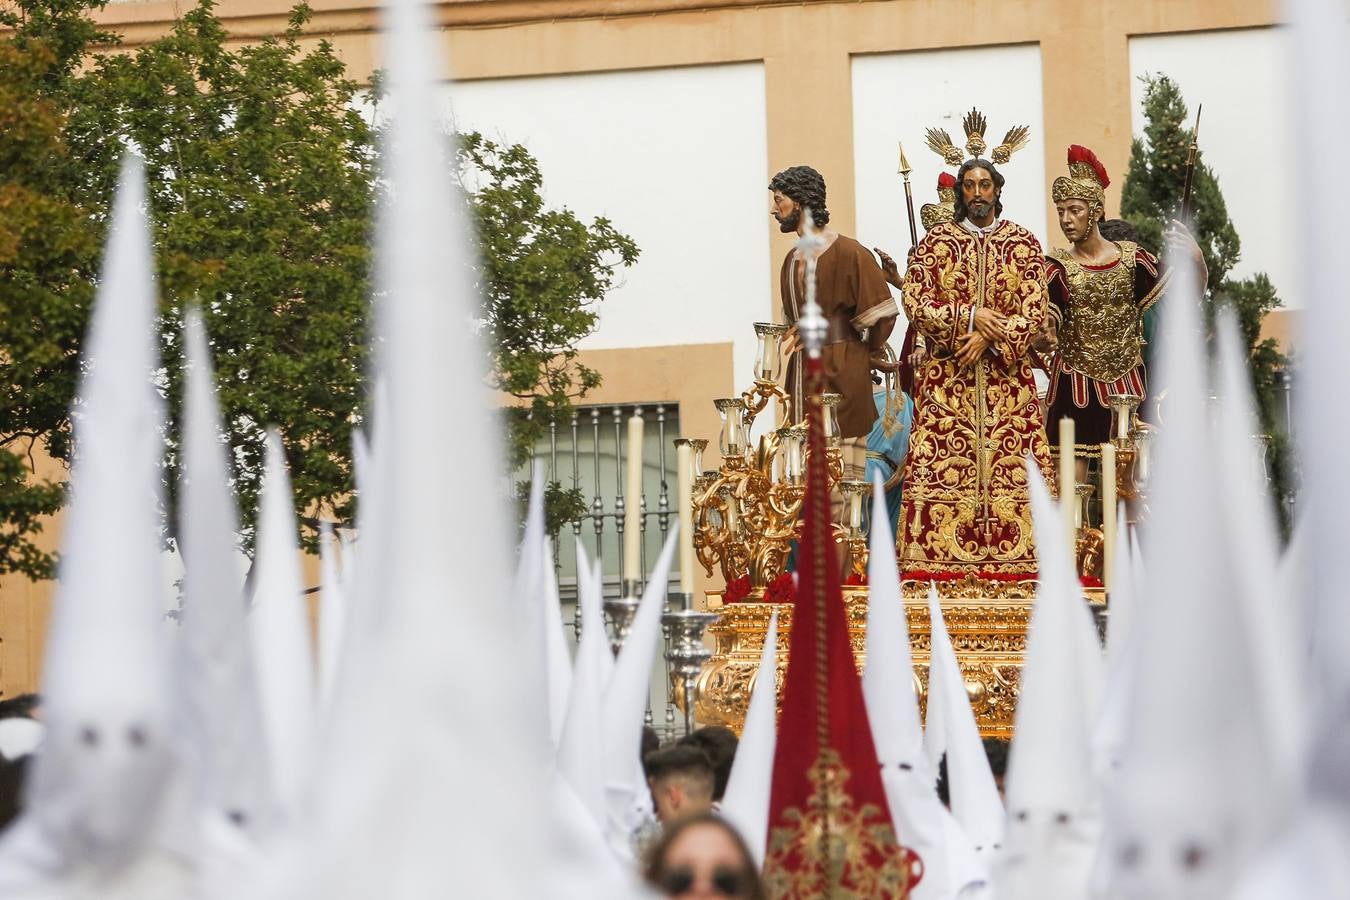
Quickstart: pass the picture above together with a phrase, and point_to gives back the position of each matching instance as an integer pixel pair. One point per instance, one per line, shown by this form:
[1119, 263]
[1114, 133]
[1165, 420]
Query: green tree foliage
[260, 171]
[544, 272]
[46, 245]
[1151, 197]
[262, 174]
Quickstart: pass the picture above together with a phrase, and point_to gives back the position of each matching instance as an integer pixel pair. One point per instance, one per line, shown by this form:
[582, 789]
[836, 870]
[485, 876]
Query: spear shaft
[904, 170]
[1190, 167]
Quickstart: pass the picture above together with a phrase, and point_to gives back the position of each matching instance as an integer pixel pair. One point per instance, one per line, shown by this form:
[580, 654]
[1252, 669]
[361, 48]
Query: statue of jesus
[975, 289]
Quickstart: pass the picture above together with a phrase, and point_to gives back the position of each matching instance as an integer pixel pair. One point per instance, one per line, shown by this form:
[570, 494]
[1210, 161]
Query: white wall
[1242, 79]
[898, 96]
[677, 159]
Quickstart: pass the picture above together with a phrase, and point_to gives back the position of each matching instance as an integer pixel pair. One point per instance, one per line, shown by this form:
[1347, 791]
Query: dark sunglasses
[725, 881]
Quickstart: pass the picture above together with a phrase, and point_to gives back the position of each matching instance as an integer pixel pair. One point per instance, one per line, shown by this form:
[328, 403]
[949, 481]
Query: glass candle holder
[830, 414]
[696, 448]
[732, 516]
[1083, 494]
[853, 492]
[768, 355]
[1142, 438]
[791, 447]
[732, 439]
[1123, 409]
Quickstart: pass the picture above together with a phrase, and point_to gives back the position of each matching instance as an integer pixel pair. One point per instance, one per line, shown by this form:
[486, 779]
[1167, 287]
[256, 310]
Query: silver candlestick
[621, 610]
[686, 653]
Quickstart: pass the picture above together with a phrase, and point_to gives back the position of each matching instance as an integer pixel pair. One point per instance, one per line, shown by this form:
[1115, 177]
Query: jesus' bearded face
[980, 195]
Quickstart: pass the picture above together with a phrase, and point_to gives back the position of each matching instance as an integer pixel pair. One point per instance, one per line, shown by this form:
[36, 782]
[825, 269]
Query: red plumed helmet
[946, 180]
[1080, 154]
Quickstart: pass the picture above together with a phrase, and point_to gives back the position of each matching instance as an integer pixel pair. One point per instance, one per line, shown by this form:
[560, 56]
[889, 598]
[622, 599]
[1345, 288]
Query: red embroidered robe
[965, 506]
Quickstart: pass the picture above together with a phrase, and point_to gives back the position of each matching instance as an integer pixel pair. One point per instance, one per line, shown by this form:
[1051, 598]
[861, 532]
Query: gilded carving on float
[988, 632]
[746, 518]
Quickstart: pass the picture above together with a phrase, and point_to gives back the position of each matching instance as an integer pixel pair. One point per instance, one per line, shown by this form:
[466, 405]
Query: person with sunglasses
[701, 857]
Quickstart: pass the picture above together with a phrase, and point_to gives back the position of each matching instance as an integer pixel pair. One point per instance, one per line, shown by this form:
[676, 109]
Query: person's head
[1118, 230]
[793, 190]
[996, 749]
[25, 705]
[650, 744]
[681, 780]
[11, 789]
[703, 858]
[1080, 196]
[979, 192]
[718, 742]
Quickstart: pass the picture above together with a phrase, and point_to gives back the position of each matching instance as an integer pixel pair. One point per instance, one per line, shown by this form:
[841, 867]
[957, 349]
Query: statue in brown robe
[849, 282]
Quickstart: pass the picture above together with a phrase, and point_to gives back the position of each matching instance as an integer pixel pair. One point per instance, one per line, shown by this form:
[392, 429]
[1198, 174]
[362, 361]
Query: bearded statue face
[787, 211]
[980, 195]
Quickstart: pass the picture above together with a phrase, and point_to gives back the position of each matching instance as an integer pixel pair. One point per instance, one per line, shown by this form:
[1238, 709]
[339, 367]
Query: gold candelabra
[747, 511]
[1133, 440]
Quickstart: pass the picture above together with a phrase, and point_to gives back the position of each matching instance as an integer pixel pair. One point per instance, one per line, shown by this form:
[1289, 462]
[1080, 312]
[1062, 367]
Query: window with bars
[590, 453]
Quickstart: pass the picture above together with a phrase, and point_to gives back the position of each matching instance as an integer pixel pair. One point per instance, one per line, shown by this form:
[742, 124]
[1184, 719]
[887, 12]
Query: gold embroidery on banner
[1102, 331]
[834, 848]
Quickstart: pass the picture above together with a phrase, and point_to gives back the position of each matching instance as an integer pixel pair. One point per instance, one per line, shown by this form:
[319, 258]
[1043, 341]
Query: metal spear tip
[904, 163]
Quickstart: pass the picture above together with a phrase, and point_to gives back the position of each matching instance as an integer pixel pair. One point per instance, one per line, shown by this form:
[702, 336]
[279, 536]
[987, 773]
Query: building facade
[669, 116]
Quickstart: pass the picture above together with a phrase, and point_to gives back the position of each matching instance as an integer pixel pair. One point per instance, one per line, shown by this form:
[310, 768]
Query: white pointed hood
[525, 592]
[1178, 822]
[559, 666]
[626, 696]
[745, 804]
[922, 823]
[332, 615]
[888, 680]
[1122, 654]
[440, 658]
[279, 623]
[951, 729]
[1054, 806]
[1310, 859]
[580, 751]
[1270, 615]
[107, 777]
[220, 697]
[1124, 595]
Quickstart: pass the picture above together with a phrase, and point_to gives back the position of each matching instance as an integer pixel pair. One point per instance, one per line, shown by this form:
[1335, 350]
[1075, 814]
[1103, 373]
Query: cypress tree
[1150, 198]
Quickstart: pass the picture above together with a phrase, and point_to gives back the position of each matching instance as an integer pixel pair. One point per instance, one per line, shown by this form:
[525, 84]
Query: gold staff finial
[904, 163]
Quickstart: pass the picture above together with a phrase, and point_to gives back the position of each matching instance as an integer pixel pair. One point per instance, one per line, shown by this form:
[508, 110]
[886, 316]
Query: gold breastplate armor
[1102, 331]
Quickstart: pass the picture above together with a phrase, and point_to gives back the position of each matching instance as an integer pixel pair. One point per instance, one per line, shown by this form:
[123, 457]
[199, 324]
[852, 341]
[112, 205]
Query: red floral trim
[782, 589]
[737, 590]
[919, 575]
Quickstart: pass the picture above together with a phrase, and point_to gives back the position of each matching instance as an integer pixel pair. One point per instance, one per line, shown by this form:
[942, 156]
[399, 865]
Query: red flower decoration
[855, 580]
[782, 589]
[737, 590]
[946, 180]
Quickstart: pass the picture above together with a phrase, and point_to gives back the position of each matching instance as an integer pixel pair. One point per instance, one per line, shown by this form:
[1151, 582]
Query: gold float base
[987, 622]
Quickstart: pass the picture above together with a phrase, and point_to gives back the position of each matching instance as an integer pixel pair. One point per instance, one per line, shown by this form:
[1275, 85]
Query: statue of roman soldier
[1099, 291]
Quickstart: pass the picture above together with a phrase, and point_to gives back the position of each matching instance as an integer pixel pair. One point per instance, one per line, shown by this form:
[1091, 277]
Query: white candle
[632, 520]
[683, 461]
[1068, 502]
[1108, 512]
